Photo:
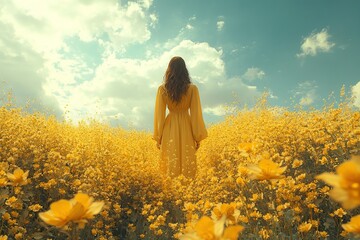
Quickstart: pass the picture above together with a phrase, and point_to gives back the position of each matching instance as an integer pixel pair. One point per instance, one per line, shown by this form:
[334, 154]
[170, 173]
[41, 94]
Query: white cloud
[146, 3]
[253, 73]
[315, 43]
[19, 67]
[356, 94]
[220, 25]
[182, 34]
[307, 100]
[123, 90]
[272, 96]
[154, 20]
[220, 110]
[45, 25]
[306, 91]
[39, 61]
[189, 27]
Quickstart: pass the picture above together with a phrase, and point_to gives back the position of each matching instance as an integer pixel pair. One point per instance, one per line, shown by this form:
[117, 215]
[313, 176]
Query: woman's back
[179, 131]
[178, 134]
[184, 103]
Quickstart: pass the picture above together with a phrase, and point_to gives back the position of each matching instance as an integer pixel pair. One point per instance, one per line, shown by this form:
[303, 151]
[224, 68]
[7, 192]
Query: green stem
[74, 232]
[2, 226]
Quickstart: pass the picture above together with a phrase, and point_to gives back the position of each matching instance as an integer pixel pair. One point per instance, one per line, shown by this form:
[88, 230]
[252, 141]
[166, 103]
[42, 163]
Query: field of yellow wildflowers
[262, 174]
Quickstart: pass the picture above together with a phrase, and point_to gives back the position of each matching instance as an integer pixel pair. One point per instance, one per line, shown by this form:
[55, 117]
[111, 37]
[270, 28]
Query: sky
[82, 59]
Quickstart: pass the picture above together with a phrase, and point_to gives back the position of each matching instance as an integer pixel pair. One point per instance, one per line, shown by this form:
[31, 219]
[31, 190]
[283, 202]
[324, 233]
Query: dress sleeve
[159, 115]
[197, 121]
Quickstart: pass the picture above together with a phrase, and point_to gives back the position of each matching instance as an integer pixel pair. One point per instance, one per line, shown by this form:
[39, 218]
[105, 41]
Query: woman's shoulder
[161, 87]
[193, 87]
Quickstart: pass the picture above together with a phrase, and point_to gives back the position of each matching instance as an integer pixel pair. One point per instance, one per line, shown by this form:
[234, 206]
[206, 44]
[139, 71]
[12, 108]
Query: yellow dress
[178, 131]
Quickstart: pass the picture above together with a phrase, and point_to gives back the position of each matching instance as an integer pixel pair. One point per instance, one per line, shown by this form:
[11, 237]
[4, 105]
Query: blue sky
[105, 59]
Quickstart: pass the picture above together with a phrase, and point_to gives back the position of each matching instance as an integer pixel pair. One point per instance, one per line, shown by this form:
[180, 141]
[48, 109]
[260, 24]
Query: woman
[178, 135]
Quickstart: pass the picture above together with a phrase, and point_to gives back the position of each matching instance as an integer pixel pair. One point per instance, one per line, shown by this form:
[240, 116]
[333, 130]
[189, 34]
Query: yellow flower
[266, 170]
[117, 208]
[159, 232]
[173, 226]
[339, 212]
[267, 216]
[3, 182]
[14, 214]
[11, 201]
[264, 234]
[297, 163]
[323, 234]
[243, 171]
[240, 181]
[246, 147]
[19, 177]
[232, 232]
[353, 226]
[228, 210]
[78, 209]
[58, 213]
[18, 236]
[6, 216]
[207, 229]
[3, 237]
[85, 206]
[346, 183]
[35, 207]
[305, 227]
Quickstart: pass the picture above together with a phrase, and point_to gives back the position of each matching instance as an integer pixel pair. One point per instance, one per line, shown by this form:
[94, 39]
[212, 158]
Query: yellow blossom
[323, 234]
[18, 236]
[58, 213]
[346, 183]
[3, 182]
[78, 209]
[117, 208]
[6, 216]
[353, 226]
[297, 163]
[14, 214]
[11, 201]
[35, 207]
[305, 227]
[173, 226]
[19, 177]
[243, 219]
[255, 197]
[266, 170]
[228, 210]
[339, 212]
[267, 216]
[246, 148]
[207, 229]
[240, 181]
[264, 234]
[159, 232]
[243, 171]
[323, 160]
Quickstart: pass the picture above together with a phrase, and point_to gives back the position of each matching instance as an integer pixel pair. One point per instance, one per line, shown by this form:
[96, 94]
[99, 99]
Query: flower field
[262, 173]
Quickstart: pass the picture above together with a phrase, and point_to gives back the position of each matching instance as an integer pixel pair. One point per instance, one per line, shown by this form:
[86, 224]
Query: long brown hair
[177, 79]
